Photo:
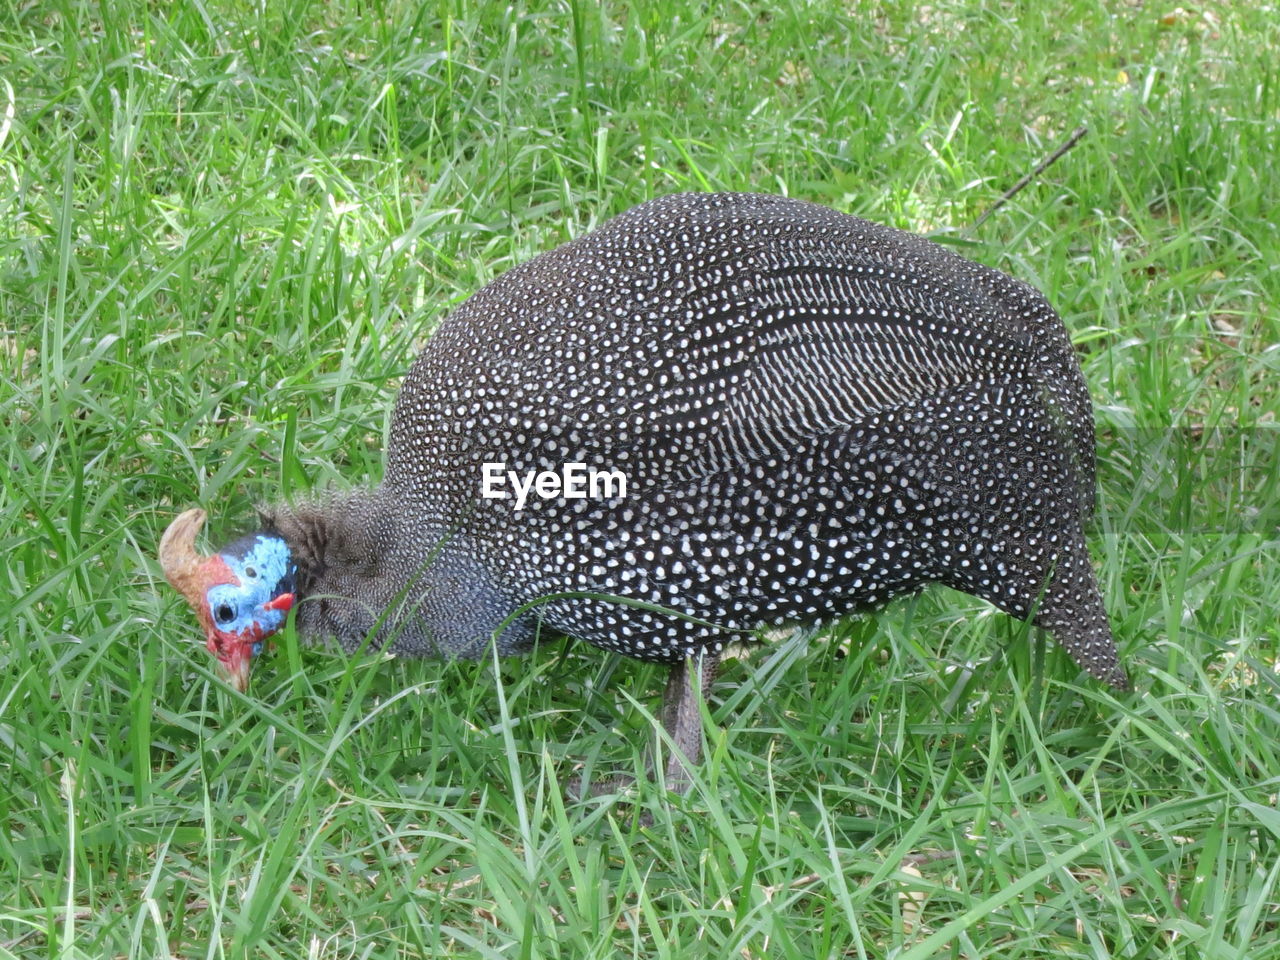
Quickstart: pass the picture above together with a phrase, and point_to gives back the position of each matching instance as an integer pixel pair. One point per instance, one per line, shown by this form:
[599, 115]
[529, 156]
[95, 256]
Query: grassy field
[226, 227]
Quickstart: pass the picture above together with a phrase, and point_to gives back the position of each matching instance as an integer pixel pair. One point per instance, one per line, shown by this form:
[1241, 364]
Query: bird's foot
[687, 686]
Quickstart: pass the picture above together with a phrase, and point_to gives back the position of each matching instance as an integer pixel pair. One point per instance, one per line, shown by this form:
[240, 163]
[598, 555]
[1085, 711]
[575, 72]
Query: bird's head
[242, 594]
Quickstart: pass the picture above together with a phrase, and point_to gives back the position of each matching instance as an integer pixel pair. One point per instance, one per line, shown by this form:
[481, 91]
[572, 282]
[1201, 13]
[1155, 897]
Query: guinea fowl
[812, 415]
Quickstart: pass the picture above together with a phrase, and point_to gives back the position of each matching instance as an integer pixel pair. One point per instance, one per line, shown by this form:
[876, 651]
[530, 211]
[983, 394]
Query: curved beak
[235, 666]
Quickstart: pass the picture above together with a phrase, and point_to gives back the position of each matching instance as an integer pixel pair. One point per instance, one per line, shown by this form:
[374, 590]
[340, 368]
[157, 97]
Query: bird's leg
[688, 684]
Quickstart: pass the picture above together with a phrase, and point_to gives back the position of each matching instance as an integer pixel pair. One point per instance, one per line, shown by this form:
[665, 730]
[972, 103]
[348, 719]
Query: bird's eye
[224, 613]
[251, 573]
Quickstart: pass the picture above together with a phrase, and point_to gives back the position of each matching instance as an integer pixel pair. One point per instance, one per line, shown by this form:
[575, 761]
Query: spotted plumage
[814, 414]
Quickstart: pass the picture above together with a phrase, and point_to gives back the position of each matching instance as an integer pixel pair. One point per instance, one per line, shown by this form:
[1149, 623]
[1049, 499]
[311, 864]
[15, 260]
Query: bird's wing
[698, 333]
[791, 362]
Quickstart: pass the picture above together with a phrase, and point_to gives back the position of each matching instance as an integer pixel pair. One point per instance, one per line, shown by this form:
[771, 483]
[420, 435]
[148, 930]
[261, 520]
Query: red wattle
[283, 603]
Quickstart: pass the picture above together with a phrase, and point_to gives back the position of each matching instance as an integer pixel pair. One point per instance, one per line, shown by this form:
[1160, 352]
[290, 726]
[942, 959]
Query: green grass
[226, 227]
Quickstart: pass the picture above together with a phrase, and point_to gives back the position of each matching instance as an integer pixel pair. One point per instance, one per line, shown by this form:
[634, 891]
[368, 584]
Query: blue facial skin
[262, 564]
